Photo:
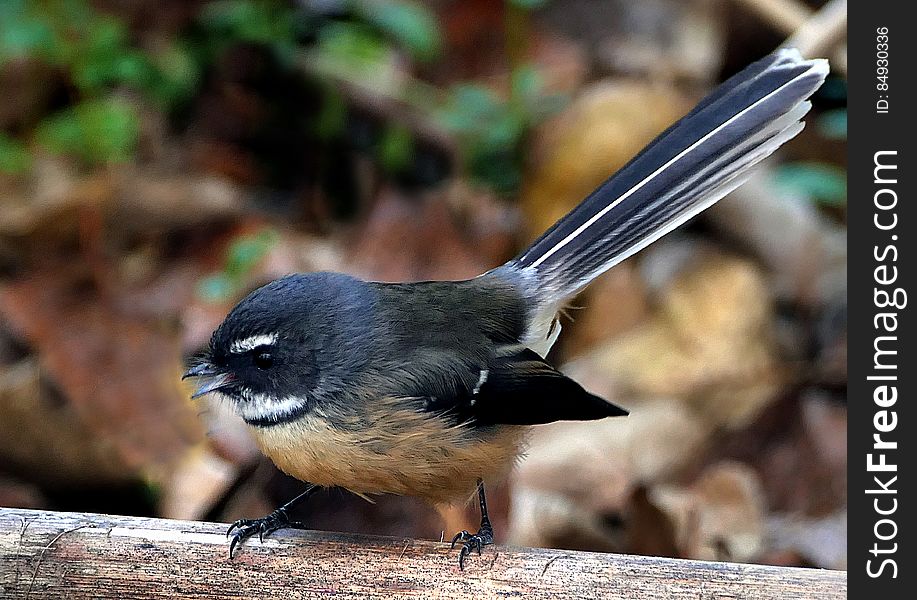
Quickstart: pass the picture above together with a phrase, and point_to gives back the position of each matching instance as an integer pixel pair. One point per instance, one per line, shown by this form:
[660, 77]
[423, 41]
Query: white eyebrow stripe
[250, 343]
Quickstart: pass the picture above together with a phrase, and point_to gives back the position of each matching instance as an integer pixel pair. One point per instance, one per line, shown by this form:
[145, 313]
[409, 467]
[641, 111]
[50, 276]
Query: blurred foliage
[69, 34]
[832, 124]
[96, 54]
[410, 25]
[396, 148]
[491, 129]
[360, 39]
[242, 256]
[264, 22]
[14, 157]
[332, 117]
[95, 131]
[529, 4]
[833, 90]
[352, 46]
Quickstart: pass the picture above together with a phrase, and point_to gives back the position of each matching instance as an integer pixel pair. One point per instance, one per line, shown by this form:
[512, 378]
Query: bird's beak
[213, 378]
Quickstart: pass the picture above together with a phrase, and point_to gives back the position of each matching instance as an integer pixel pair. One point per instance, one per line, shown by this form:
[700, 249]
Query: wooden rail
[79, 555]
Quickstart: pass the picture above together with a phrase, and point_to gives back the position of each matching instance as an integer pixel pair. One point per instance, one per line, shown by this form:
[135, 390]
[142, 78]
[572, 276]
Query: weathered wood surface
[77, 555]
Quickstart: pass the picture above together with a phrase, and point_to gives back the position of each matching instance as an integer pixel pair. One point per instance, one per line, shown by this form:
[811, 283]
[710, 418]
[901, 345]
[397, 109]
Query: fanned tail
[690, 166]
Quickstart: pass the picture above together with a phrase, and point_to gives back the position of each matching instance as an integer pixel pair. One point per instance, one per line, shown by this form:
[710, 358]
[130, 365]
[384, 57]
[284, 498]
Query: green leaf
[526, 82]
[242, 256]
[528, 4]
[834, 89]
[22, 34]
[332, 117]
[95, 131]
[501, 133]
[833, 124]
[246, 251]
[396, 148]
[818, 181]
[102, 58]
[14, 156]
[216, 288]
[177, 75]
[409, 24]
[489, 130]
[260, 21]
[93, 74]
[467, 107]
[497, 169]
[105, 35]
[353, 45]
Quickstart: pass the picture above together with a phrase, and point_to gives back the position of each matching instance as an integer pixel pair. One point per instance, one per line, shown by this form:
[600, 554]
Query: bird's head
[276, 353]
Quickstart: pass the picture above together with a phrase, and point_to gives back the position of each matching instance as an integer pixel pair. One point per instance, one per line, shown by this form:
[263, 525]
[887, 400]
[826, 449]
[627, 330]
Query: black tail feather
[686, 169]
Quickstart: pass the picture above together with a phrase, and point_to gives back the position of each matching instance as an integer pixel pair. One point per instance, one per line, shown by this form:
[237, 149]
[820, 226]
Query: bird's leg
[243, 529]
[483, 537]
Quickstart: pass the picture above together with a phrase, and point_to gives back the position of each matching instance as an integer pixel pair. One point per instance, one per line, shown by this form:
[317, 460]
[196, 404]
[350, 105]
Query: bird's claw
[243, 529]
[471, 542]
[461, 536]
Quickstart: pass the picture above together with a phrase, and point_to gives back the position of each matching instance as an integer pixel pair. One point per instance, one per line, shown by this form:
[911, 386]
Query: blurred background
[160, 159]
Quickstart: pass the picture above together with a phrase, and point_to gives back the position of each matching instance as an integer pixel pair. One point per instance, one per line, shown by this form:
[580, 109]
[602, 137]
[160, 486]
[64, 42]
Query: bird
[428, 389]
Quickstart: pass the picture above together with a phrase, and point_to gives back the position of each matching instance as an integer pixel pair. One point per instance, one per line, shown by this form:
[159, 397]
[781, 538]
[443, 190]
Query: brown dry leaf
[585, 462]
[478, 47]
[29, 86]
[806, 468]
[492, 224]
[196, 484]
[664, 39]
[612, 304]
[579, 484]
[804, 252]
[472, 36]
[413, 240]
[597, 463]
[228, 436]
[651, 532]
[118, 372]
[825, 423]
[224, 159]
[820, 542]
[562, 62]
[145, 199]
[46, 438]
[708, 343]
[720, 516]
[546, 519]
[798, 445]
[19, 494]
[594, 137]
[49, 198]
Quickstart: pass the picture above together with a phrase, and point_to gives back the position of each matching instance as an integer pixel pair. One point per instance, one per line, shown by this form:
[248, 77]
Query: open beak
[212, 378]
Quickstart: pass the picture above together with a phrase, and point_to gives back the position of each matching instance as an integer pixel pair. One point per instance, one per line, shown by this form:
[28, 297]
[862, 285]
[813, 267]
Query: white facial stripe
[261, 406]
[250, 343]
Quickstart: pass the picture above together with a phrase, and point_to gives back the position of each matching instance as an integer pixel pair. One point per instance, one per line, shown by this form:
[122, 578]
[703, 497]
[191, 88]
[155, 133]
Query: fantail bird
[427, 389]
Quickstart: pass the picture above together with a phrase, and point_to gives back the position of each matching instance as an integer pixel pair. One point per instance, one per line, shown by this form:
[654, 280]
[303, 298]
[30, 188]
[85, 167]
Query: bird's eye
[264, 359]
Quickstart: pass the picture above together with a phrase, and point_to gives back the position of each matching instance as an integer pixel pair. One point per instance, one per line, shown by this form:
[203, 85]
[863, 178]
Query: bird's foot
[476, 541]
[243, 529]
